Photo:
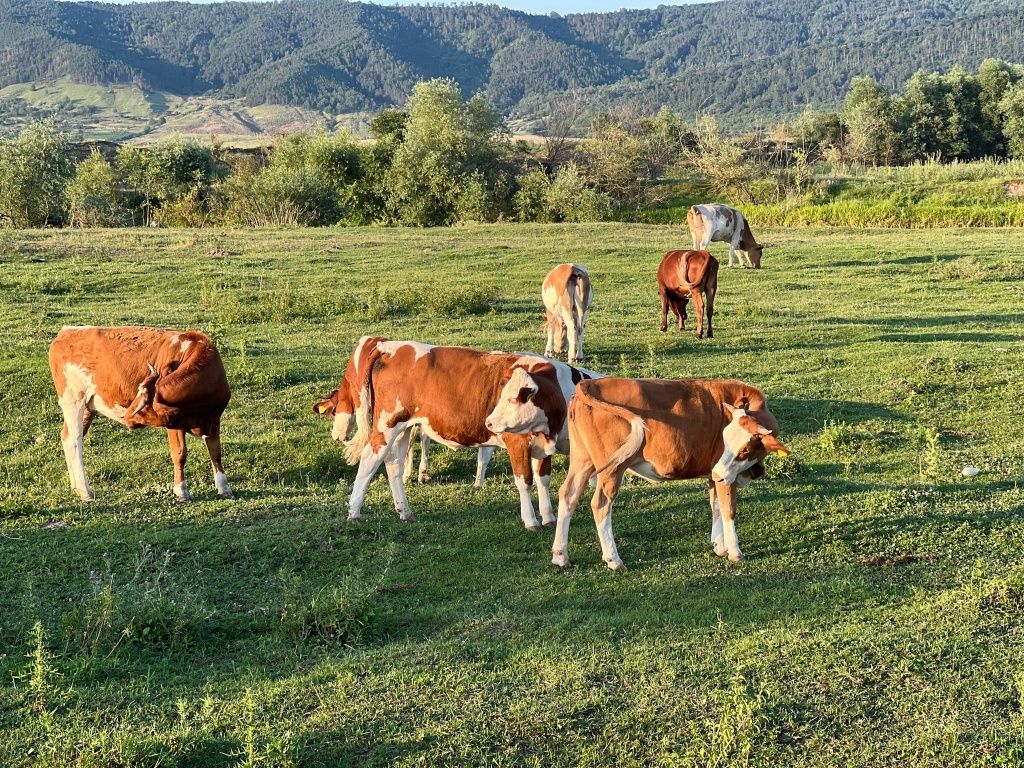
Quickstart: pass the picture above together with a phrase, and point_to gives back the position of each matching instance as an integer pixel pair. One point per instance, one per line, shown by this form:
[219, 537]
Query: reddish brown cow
[684, 275]
[664, 430]
[140, 377]
[567, 295]
[461, 398]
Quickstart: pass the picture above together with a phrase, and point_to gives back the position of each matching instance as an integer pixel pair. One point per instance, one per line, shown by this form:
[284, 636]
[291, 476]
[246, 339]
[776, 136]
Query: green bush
[94, 198]
[35, 170]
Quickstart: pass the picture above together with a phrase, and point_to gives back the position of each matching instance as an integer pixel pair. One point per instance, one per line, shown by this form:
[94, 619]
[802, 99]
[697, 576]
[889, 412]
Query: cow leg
[542, 475]
[727, 507]
[664, 310]
[519, 456]
[483, 458]
[733, 257]
[717, 537]
[680, 310]
[395, 463]
[710, 289]
[72, 437]
[581, 470]
[369, 464]
[220, 480]
[608, 484]
[179, 452]
[410, 459]
[424, 471]
[698, 305]
[549, 348]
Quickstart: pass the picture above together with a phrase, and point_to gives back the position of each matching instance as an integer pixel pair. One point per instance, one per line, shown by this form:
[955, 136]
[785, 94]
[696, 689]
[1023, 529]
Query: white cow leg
[220, 480]
[604, 499]
[394, 463]
[410, 460]
[369, 464]
[483, 458]
[424, 473]
[727, 506]
[549, 349]
[570, 333]
[72, 438]
[568, 497]
[734, 258]
[526, 512]
[717, 539]
[542, 478]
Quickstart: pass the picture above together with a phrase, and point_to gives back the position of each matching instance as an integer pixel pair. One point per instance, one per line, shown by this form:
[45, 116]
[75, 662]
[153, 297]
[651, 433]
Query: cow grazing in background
[459, 397]
[717, 223]
[664, 430]
[567, 295]
[341, 405]
[683, 275]
[140, 377]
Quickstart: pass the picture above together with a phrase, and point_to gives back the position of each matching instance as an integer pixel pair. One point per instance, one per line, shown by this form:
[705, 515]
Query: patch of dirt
[1015, 189]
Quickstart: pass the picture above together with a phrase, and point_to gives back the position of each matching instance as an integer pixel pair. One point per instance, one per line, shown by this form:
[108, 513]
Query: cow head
[140, 412]
[747, 440]
[339, 406]
[516, 410]
[754, 252]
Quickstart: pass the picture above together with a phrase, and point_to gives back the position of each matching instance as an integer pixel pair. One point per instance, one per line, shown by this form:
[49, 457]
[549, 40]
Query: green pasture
[876, 621]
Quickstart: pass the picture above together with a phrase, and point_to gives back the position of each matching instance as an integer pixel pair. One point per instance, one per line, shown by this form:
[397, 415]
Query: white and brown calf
[140, 377]
[567, 295]
[719, 223]
[664, 430]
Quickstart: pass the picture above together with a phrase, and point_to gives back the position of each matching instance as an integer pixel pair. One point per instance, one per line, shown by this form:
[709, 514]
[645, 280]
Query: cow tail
[580, 286]
[364, 412]
[637, 427]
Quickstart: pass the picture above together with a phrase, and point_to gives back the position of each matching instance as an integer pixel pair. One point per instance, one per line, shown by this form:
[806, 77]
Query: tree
[719, 160]
[448, 146]
[870, 118]
[94, 199]
[35, 169]
[1011, 108]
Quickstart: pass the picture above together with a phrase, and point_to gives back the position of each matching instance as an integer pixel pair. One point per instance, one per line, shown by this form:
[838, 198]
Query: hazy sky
[546, 6]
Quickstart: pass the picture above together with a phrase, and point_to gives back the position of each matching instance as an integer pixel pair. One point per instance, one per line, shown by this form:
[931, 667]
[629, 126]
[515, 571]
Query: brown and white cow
[567, 295]
[684, 275]
[664, 430]
[459, 397]
[341, 404]
[719, 223]
[140, 377]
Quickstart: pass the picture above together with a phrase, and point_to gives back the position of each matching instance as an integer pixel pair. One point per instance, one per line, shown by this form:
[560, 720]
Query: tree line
[443, 160]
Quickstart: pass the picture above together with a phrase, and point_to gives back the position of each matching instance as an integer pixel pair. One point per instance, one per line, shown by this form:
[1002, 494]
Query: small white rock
[969, 471]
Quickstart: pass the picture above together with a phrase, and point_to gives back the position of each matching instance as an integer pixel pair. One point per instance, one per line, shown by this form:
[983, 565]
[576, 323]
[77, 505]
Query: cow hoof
[737, 558]
[354, 519]
[84, 495]
[534, 528]
[560, 559]
[720, 550]
[616, 565]
[407, 517]
[424, 478]
[550, 523]
[226, 495]
[663, 329]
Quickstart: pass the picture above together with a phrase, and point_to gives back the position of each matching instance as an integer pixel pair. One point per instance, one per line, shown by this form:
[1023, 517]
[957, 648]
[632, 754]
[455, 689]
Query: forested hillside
[741, 58]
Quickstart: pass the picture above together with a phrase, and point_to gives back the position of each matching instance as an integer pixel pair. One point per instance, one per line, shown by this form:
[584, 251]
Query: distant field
[877, 620]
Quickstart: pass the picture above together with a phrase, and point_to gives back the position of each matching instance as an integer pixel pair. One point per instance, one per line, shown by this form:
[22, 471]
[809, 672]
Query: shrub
[94, 199]
[34, 173]
[570, 199]
[529, 199]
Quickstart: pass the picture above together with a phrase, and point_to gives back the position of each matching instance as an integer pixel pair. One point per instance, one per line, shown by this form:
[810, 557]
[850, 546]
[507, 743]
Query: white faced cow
[140, 377]
[664, 430]
[459, 397]
[718, 223]
[567, 295]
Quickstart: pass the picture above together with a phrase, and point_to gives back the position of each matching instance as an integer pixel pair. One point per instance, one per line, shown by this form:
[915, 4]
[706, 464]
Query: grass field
[876, 621]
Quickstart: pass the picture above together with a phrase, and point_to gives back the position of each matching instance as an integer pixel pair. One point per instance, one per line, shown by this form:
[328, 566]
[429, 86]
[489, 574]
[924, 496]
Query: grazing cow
[715, 222]
[341, 405]
[461, 398]
[684, 275]
[664, 430]
[140, 377]
[567, 295]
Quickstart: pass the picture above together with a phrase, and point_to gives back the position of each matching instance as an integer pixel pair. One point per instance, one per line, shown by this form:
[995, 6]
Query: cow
[664, 430]
[715, 222]
[341, 404]
[459, 397]
[683, 275]
[567, 295]
[140, 377]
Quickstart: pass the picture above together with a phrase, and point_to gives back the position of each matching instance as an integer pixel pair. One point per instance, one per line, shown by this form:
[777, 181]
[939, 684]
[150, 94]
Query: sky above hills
[536, 6]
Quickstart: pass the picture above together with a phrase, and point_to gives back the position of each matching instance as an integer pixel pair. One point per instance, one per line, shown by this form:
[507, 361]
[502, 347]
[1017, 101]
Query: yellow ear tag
[783, 454]
[322, 408]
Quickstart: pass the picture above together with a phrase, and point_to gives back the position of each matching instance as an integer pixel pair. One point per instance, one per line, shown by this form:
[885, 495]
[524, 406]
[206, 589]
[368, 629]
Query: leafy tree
[871, 120]
[1011, 108]
[94, 197]
[35, 169]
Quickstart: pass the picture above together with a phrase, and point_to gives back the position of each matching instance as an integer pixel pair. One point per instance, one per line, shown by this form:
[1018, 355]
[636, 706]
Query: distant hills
[744, 59]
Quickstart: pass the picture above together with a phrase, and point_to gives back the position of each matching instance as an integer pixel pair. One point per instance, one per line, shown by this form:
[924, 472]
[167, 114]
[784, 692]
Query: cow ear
[729, 411]
[324, 407]
[772, 443]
